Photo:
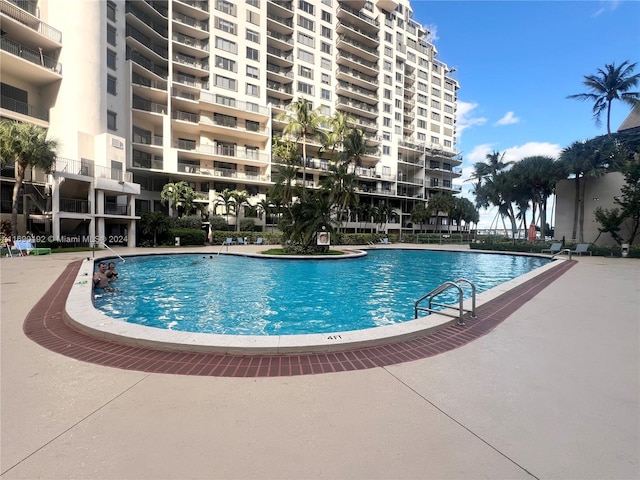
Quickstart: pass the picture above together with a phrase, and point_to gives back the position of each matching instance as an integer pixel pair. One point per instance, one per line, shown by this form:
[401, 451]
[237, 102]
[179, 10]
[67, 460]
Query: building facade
[160, 91]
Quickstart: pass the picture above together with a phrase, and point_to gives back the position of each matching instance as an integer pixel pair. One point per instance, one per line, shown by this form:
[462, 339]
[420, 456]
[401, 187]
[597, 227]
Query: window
[388, 37]
[226, 7]
[111, 35]
[253, 90]
[325, 63]
[326, 79]
[225, 64]
[305, 7]
[387, 108]
[435, 104]
[326, 32]
[111, 85]
[448, 120]
[422, 124]
[423, 87]
[254, 3]
[447, 143]
[423, 75]
[305, 39]
[387, 94]
[388, 51]
[388, 66]
[436, 92]
[305, 88]
[398, 116]
[326, 94]
[448, 109]
[422, 137]
[398, 103]
[304, 22]
[435, 140]
[253, 36]
[436, 81]
[386, 150]
[111, 59]
[326, 16]
[386, 136]
[326, 48]
[253, 17]
[388, 80]
[435, 116]
[252, 72]
[111, 120]
[305, 56]
[226, 45]
[252, 126]
[225, 82]
[225, 25]
[422, 99]
[387, 122]
[252, 54]
[306, 72]
[448, 97]
[111, 11]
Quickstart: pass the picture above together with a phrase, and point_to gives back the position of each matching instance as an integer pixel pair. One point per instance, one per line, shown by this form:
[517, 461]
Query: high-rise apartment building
[158, 91]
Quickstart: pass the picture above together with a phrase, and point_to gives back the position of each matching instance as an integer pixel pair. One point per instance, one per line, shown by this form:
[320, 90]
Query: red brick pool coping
[45, 324]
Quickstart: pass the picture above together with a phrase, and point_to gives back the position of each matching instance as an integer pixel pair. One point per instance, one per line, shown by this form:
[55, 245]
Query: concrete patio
[552, 392]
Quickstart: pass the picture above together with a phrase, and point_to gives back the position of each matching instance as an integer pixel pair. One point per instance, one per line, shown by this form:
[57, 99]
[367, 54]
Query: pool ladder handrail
[113, 251]
[443, 288]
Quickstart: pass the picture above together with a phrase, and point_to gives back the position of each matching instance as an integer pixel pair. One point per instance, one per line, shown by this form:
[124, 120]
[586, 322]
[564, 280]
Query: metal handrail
[441, 289]
[112, 251]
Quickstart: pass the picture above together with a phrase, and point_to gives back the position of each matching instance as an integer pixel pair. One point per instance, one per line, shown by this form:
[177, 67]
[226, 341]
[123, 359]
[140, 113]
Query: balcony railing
[192, 22]
[23, 108]
[116, 209]
[72, 205]
[236, 153]
[31, 21]
[30, 55]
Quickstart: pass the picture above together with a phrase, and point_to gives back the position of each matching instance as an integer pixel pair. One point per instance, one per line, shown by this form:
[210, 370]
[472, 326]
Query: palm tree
[240, 199]
[612, 83]
[340, 125]
[302, 123]
[440, 203]
[591, 158]
[154, 223]
[225, 199]
[420, 214]
[341, 187]
[178, 195]
[355, 148]
[25, 145]
[264, 207]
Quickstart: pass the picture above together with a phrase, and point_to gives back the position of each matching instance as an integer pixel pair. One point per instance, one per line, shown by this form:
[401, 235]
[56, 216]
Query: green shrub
[188, 236]
[247, 225]
[218, 222]
[193, 222]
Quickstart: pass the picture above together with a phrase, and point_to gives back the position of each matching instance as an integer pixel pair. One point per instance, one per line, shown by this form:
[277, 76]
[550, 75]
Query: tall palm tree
[355, 148]
[240, 199]
[440, 203]
[340, 125]
[303, 123]
[609, 84]
[225, 199]
[585, 159]
[178, 195]
[286, 187]
[26, 145]
[420, 214]
[340, 185]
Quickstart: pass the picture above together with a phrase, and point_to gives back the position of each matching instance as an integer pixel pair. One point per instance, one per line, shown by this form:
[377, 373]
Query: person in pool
[100, 279]
[112, 273]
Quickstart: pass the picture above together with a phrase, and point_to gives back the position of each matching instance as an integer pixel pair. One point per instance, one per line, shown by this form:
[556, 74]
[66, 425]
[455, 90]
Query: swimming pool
[237, 295]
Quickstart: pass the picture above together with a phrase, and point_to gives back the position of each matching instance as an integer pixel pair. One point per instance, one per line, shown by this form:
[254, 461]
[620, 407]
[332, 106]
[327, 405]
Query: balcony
[360, 49]
[282, 25]
[362, 65]
[31, 21]
[235, 153]
[191, 22]
[280, 57]
[32, 56]
[22, 108]
[116, 209]
[141, 18]
[357, 17]
[347, 104]
[233, 105]
[363, 94]
[73, 205]
[358, 34]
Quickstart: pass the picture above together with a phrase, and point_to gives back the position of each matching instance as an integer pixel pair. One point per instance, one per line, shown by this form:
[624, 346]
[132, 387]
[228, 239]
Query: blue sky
[517, 61]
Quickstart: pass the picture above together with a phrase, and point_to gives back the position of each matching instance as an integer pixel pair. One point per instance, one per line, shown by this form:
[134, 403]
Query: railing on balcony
[157, 27]
[190, 81]
[281, 54]
[147, 42]
[200, 5]
[138, 79]
[146, 105]
[185, 144]
[192, 22]
[147, 163]
[284, 21]
[27, 18]
[190, 62]
[233, 103]
[357, 59]
[23, 108]
[30, 55]
[144, 62]
[280, 37]
[237, 152]
[186, 116]
[191, 41]
[358, 45]
[116, 209]
[73, 205]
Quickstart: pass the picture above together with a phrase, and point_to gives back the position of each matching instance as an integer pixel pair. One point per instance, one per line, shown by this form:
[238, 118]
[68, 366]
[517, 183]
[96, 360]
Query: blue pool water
[237, 295]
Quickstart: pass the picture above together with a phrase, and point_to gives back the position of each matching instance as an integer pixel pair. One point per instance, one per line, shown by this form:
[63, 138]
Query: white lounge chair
[259, 241]
[385, 241]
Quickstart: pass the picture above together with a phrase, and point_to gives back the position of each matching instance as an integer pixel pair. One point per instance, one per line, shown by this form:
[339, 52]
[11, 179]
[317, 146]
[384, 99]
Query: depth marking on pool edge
[46, 325]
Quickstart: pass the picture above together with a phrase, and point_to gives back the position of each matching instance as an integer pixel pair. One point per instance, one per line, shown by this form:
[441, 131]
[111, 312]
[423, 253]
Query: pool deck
[553, 391]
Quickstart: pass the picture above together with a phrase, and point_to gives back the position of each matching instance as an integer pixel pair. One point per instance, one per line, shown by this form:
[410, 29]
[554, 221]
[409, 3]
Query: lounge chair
[229, 241]
[27, 247]
[553, 249]
[241, 241]
[259, 241]
[581, 248]
[385, 241]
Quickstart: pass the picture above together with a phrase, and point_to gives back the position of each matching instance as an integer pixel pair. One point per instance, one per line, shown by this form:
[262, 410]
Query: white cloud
[606, 5]
[465, 116]
[531, 149]
[508, 119]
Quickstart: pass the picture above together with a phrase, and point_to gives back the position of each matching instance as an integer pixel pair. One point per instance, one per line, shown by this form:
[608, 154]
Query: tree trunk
[581, 220]
[576, 207]
[543, 219]
[14, 199]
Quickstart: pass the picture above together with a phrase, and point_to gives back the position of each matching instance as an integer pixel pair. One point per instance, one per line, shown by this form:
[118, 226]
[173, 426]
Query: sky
[517, 61]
